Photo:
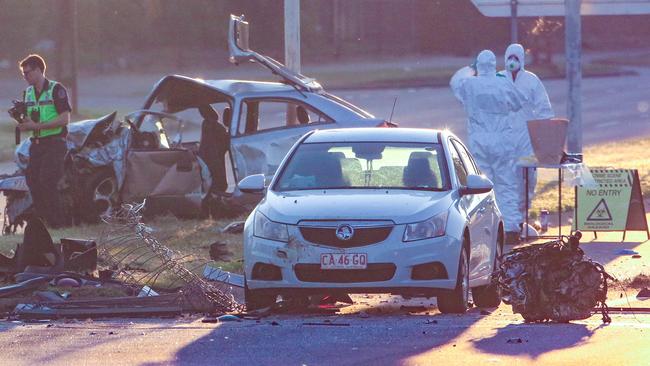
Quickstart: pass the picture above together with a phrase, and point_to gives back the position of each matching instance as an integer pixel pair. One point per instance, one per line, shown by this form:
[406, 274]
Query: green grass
[190, 239]
[385, 77]
[557, 70]
[394, 76]
[625, 154]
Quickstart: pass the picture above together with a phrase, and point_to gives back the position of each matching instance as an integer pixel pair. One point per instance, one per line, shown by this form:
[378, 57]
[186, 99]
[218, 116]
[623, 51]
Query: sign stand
[616, 204]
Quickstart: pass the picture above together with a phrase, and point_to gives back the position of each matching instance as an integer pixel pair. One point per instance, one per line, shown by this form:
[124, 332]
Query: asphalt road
[375, 330]
[613, 108]
[381, 335]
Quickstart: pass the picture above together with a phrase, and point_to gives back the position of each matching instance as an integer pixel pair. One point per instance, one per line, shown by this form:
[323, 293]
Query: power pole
[292, 34]
[573, 51]
[513, 22]
[66, 53]
[292, 46]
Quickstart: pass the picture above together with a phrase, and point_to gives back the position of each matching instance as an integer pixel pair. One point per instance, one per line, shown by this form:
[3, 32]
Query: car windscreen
[354, 165]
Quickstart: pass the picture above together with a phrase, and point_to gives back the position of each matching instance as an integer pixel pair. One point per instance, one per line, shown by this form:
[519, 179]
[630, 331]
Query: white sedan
[374, 210]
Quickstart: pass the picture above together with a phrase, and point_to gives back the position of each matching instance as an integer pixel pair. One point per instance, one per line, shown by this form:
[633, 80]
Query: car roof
[234, 87]
[376, 134]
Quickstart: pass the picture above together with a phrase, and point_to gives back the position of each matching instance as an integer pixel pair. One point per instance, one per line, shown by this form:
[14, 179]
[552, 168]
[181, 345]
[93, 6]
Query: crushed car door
[266, 130]
[169, 178]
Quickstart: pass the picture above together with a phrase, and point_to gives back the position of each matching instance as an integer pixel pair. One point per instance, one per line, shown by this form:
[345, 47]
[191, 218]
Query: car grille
[374, 273]
[361, 237]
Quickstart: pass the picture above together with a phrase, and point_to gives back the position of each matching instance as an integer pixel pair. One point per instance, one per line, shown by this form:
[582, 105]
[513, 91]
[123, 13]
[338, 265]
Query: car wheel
[455, 301]
[100, 194]
[488, 296]
[256, 300]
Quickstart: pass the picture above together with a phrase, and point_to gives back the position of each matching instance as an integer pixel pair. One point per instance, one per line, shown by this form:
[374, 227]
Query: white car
[374, 210]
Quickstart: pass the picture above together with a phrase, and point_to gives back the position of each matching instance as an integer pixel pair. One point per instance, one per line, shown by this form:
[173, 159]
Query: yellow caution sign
[614, 204]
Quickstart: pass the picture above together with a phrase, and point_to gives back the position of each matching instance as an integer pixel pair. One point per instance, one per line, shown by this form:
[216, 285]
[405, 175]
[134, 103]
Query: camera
[18, 111]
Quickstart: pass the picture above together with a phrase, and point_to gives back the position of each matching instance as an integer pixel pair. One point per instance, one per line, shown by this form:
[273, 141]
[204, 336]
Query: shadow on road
[387, 333]
[533, 340]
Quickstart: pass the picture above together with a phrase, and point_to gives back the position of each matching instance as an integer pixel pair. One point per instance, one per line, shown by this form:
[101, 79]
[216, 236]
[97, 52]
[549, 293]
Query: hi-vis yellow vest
[45, 107]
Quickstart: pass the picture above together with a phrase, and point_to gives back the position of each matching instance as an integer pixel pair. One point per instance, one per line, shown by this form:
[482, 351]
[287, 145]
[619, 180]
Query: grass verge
[190, 239]
[625, 154]
[395, 76]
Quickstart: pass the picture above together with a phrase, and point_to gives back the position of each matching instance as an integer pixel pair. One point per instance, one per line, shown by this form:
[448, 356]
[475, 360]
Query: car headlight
[267, 229]
[430, 228]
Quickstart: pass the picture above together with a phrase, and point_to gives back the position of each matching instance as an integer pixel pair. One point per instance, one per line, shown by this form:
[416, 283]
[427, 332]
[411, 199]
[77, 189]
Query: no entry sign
[614, 204]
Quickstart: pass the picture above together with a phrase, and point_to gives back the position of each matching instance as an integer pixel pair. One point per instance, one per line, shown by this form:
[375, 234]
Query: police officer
[48, 113]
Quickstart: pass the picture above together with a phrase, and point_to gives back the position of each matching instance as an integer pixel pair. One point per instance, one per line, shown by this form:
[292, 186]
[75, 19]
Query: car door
[468, 204]
[483, 225]
[168, 177]
[266, 129]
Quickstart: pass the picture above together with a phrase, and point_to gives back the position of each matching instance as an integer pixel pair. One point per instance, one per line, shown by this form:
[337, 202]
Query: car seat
[418, 171]
[329, 170]
[302, 115]
[324, 167]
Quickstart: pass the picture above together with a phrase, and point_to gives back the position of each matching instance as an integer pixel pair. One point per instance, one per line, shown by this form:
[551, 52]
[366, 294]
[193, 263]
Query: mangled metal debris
[137, 257]
[553, 281]
[150, 306]
[219, 275]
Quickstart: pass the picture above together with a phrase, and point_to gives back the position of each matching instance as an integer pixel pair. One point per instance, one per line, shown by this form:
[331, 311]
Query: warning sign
[600, 213]
[611, 204]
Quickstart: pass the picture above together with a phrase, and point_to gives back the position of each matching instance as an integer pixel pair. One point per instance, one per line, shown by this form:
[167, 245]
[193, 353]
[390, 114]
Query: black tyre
[100, 194]
[456, 300]
[488, 296]
[256, 300]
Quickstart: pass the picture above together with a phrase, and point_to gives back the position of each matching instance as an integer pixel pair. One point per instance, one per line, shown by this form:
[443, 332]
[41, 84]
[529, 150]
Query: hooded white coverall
[489, 101]
[538, 107]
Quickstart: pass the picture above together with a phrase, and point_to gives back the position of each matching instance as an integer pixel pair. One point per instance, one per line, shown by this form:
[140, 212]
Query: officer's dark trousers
[43, 173]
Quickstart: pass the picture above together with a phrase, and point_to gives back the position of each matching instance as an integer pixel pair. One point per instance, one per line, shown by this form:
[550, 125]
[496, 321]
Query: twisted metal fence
[135, 256]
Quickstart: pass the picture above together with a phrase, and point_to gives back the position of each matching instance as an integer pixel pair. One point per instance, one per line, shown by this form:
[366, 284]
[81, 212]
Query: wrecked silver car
[191, 143]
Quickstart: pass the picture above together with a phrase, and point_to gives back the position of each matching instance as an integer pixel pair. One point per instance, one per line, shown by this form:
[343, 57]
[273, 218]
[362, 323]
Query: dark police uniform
[47, 151]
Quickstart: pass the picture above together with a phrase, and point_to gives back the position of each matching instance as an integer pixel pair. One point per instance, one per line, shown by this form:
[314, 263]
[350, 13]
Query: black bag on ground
[37, 248]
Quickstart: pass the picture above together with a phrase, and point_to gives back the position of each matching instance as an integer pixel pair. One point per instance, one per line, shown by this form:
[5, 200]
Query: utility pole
[292, 46]
[573, 52]
[513, 22]
[292, 35]
[66, 54]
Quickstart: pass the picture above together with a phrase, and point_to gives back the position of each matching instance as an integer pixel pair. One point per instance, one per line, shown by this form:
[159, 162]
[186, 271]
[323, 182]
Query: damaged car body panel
[248, 129]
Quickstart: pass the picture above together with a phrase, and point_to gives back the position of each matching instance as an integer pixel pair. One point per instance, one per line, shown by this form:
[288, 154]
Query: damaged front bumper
[425, 267]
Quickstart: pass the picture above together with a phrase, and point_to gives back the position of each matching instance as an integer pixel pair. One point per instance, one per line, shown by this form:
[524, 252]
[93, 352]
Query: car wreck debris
[137, 257]
[553, 281]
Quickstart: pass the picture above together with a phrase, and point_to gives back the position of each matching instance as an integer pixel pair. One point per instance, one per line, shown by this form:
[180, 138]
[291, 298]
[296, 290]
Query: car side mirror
[252, 184]
[476, 184]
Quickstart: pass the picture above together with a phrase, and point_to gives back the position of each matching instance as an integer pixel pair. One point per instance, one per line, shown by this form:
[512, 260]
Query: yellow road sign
[606, 206]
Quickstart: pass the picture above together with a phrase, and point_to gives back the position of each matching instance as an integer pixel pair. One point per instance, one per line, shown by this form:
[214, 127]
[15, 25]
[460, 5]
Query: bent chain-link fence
[137, 257]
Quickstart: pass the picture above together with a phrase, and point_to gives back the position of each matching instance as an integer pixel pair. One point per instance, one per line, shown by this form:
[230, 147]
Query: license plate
[343, 260]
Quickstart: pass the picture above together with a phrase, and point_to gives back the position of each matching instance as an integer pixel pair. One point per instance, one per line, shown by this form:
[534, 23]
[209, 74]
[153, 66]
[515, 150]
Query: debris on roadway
[553, 282]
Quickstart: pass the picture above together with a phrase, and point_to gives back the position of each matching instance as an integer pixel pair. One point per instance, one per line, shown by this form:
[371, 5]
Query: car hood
[399, 206]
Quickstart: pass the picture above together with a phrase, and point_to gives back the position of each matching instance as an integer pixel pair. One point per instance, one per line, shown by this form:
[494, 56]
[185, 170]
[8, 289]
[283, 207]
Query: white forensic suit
[489, 101]
[538, 107]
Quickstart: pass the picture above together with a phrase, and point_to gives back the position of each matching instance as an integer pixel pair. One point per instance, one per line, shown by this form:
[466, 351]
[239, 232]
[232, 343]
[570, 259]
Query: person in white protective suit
[538, 107]
[489, 101]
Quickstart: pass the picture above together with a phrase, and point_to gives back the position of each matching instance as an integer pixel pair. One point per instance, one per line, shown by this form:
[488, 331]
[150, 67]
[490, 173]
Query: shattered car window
[156, 126]
[352, 165]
